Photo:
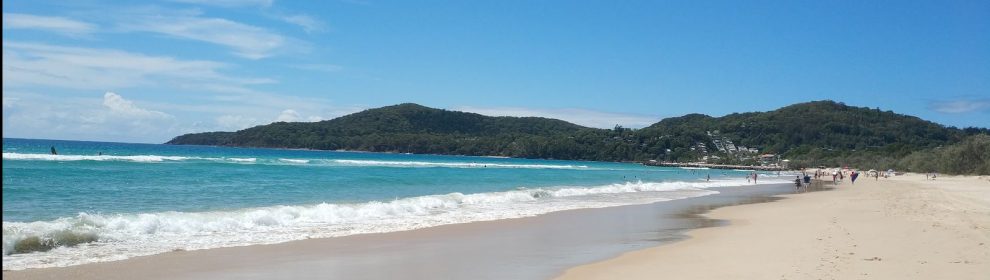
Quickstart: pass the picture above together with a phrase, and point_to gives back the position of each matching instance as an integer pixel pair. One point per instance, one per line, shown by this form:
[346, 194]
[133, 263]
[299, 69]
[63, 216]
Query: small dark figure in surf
[53, 151]
[709, 179]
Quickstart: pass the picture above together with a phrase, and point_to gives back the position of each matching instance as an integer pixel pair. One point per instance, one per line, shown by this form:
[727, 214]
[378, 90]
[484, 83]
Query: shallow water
[97, 201]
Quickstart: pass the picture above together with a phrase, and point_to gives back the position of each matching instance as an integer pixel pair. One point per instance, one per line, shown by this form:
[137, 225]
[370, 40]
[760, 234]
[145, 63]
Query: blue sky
[147, 71]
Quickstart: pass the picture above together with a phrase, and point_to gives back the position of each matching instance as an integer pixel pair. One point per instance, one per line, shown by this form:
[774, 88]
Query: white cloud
[231, 3]
[308, 23]
[583, 117]
[247, 41]
[236, 122]
[288, 115]
[59, 25]
[960, 106]
[29, 64]
[126, 108]
[112, 118]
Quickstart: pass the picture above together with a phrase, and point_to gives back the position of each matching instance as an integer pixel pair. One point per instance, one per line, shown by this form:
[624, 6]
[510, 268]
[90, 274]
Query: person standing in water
[53, 151]
[709, 178]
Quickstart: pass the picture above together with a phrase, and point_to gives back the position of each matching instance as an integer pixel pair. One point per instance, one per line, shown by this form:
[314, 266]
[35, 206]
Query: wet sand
[526, 248]
[904, 227]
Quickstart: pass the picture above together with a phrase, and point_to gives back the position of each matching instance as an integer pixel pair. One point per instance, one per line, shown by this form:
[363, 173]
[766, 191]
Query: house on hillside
[768, 159]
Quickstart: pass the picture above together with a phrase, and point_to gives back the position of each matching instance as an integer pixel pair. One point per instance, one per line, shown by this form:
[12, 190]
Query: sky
[136, 71]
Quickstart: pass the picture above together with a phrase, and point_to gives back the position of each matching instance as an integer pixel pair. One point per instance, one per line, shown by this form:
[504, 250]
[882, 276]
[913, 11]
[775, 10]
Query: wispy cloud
[34, 64]
[583, 117]
[115, 117]
[308, 23]
[59, 25]
[230, 3]
[960, 106]
[248, 41]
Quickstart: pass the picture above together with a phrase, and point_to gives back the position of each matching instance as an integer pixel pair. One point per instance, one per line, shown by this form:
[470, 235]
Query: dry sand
[904, 227]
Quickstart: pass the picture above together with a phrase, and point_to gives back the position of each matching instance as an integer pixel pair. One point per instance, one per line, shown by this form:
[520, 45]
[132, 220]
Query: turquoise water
[97, 201]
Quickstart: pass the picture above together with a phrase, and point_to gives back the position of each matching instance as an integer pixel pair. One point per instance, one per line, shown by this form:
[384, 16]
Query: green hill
[826, 131]
[810, 134]
[406, 128]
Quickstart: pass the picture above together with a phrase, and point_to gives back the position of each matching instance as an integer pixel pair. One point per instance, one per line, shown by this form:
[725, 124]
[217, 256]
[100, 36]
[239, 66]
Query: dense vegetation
[810, 134]
[971, 156]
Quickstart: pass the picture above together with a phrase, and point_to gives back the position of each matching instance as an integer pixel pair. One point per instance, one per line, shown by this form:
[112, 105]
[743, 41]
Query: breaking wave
[451, 164]
[92, 237]
[322, 162]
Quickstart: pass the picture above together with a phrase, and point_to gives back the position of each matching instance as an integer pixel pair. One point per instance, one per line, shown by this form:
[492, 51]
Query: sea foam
[90, 237]
[318, 162]
[452, 164]
[50, 157]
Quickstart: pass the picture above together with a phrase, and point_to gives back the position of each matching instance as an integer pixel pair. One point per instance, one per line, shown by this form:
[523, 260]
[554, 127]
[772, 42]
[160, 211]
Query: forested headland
[808, 134]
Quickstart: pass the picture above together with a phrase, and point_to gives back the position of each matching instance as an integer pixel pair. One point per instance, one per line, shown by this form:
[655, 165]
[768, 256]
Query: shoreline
[896, 228]
[532, 248]
[715, 166]
[904, 227]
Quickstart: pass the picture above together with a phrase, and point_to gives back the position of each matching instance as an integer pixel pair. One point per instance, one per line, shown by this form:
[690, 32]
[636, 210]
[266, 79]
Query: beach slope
[904, 227]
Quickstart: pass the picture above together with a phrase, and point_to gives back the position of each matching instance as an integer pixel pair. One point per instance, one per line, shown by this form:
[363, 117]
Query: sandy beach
[904, 227]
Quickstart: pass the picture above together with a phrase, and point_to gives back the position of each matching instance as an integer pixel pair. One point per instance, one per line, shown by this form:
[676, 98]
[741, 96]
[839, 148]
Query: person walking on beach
[754, 177]
[835, 177]
[852, 177]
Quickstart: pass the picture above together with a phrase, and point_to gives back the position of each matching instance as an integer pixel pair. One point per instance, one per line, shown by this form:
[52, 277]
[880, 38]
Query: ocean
[99, 201]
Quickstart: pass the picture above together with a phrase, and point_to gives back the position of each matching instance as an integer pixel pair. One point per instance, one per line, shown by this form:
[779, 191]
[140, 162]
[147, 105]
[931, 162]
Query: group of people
[838, 175]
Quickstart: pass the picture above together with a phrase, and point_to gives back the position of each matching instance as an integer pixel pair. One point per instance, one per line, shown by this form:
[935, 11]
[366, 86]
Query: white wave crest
[120, 236]
[291, 160]
[242, 159]
[452, 164]
[49, 157]
[325, 162]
